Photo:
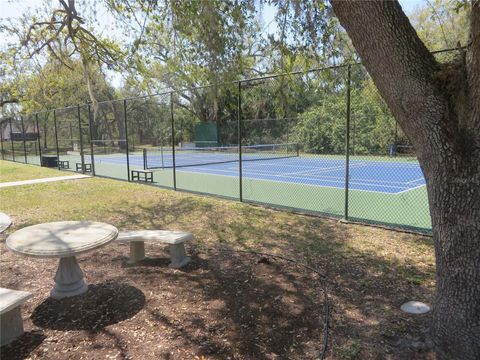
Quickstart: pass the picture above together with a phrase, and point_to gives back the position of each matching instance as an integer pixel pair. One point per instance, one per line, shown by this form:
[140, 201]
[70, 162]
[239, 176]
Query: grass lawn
[368, 273]
[10, 172]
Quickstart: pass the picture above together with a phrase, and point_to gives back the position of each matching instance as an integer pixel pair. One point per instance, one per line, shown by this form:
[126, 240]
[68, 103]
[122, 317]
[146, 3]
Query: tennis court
[282, 165]
[382, 190]
[375, 176]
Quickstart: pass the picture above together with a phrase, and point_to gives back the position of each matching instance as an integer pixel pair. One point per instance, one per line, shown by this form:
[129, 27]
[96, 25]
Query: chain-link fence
[321, 142]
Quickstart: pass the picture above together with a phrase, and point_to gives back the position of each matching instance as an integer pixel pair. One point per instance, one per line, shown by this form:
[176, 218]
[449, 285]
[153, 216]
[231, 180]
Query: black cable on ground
[326, 303]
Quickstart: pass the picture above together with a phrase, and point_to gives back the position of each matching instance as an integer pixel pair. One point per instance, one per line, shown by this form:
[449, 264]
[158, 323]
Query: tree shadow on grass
[23, 346]
[155, 216]
[102, 305]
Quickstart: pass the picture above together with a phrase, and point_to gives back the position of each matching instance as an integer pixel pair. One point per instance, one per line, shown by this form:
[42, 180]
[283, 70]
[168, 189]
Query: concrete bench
[63, 164]
[83, 167]
[137, 175]
[11, 324]
[176, 240]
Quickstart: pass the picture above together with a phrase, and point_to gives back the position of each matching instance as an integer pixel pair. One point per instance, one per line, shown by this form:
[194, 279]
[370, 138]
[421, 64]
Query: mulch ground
[220, 306]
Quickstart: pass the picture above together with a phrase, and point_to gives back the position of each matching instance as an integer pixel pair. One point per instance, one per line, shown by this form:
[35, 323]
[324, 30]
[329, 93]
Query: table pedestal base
[68, 279]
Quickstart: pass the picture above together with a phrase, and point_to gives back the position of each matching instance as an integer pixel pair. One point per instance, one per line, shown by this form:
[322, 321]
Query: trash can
[49, 160]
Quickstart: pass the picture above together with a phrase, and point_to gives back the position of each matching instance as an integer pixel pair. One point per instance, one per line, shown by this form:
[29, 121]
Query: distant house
[5, 130]
[15, 131]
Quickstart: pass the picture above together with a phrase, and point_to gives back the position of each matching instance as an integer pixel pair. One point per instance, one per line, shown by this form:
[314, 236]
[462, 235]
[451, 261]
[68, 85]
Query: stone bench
[63, 164]
[137, 175]
[83, 167]
[11, 324]
[175, 239]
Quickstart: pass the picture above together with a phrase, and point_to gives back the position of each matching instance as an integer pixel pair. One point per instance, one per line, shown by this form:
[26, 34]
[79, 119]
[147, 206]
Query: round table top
[5, 222]
[61, 239]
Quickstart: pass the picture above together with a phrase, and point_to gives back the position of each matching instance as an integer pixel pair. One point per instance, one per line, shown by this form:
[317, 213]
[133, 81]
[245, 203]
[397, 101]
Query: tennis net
[162, 158]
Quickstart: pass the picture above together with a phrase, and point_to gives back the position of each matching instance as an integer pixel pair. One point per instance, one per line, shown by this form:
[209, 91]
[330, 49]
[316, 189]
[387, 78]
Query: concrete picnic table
[5, 222]
[65, 240]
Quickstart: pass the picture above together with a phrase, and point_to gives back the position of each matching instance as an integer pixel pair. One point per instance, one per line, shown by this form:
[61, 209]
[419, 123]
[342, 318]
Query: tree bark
[438, 108]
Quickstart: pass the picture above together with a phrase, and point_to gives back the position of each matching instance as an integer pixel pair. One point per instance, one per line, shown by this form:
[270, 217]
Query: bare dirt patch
[221, 306]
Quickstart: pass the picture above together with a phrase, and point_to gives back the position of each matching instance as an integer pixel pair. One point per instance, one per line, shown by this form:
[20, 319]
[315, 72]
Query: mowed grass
[16, 172]
[369, 272]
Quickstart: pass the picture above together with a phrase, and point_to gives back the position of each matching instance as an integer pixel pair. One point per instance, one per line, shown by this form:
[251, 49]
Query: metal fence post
[38, 139]
[82, 158]
[395, 141]
[71, 133]
[24, 141]
[347, 144]
[1, 144]
[173, 142]
[90, 133]
[11, 140]
[56, 137]
[239, 136]
[126, 137]
[354, 135]
[144, 155]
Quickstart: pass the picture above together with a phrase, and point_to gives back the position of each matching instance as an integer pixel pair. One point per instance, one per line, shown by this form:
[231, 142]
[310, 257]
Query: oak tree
[438, 108]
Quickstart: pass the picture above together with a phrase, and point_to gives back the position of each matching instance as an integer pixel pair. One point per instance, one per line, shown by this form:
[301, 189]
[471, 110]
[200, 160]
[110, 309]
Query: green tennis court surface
[382, 190]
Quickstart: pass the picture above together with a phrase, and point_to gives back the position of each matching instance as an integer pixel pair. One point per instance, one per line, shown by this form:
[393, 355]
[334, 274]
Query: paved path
[5, 222]
[43, 180]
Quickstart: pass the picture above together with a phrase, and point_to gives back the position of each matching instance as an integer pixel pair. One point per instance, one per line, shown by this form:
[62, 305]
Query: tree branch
[404, 72]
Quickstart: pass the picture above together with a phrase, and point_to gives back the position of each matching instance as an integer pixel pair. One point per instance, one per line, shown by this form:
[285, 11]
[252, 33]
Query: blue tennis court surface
[387, 177]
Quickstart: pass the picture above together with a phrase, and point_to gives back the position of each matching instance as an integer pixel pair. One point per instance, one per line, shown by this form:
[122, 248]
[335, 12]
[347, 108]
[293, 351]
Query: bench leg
[137, 251]
[11, 326]
[178, 257]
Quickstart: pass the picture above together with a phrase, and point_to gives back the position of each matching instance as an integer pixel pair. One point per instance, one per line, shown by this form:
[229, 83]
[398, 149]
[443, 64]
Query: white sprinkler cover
[61, 239]
[415, 307]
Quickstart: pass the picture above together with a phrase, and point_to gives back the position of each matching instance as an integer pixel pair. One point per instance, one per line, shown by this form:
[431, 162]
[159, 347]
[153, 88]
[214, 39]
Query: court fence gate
[321, 142]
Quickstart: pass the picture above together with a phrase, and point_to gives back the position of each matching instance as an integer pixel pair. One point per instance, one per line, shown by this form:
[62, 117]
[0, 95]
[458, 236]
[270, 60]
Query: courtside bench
[83, 167]
[176, 240]
[64, 164]
[11, 324]
[145, 174]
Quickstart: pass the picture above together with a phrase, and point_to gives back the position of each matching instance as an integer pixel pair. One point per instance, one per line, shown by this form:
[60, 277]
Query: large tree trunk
[438, 108]
[455, 209]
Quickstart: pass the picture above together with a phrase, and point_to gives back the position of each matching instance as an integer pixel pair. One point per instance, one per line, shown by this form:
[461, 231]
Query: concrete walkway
[5, 222]
[43, 180]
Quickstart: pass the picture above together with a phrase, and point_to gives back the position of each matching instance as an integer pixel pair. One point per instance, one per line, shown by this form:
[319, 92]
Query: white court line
[412, 181]
[320, 170]
[316, 170]
[322, 177]
[323, 170]
[258, 163]
[407, 190]
[305, 178]
[303, 184]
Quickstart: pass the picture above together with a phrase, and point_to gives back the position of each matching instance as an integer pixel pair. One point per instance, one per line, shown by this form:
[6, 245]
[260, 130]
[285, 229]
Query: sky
[16, 8]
